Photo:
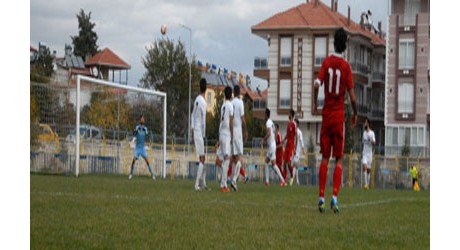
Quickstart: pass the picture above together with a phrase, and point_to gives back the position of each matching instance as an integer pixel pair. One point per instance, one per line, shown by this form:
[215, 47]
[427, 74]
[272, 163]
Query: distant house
[68, 67]
[108, 66]
[217, 81]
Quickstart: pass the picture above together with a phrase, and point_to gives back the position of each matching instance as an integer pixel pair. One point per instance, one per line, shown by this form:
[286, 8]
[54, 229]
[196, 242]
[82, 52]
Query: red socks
[322, 177]
[337, 179]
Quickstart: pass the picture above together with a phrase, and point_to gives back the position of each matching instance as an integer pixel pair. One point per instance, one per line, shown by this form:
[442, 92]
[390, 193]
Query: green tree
[85, 43]
[104, 109]
[34, 119]
[151, 108]
[349, 130]
[255, 126]
[167, 70]
[213, 120]
[42, 69]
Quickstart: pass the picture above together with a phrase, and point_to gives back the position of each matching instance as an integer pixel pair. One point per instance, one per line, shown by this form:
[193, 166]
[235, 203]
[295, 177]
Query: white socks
[277, 171]
[296, 174]
[219, 174]
[267, 172]
[223, 180]
[367, 178]
[236, 171]
[203, 178]
[199, 175]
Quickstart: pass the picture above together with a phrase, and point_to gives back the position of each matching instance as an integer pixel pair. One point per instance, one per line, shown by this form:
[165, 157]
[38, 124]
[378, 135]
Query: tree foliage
[349, 130]
[213, 120]
[167, 70]
[255, 126]
[85, 43]
[151, 108]
[42, 69]
[102, 111]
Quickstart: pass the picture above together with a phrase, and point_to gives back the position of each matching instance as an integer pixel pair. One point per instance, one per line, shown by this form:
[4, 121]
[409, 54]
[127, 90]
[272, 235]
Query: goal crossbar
[115, 85]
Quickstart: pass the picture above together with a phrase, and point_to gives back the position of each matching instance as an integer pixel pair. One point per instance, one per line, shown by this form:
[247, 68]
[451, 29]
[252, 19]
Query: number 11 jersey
[337, 77]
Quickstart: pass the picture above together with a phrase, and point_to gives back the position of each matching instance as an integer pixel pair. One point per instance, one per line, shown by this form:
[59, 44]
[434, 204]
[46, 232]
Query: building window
[320, 50]
[400, 135]
[411, 9]
[209, 99]
[285, 94]
[406, 98]
[392, 136]
[421, 137]
[286, 51]
[406, 54]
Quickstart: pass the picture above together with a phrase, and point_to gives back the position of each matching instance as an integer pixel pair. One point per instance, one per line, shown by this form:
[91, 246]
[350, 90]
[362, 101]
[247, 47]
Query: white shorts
[367, 159]
[295, 159]
[224, 142]
[219, 154]
[237, 145]
[199, 145]
[271, 154]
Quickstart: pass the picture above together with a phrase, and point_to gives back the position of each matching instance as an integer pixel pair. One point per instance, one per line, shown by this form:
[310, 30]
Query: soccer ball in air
[163, 29]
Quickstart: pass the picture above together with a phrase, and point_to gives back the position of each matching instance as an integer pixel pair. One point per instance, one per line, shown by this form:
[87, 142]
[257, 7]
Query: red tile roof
[107, 58]
[33, 49]
[308, 16]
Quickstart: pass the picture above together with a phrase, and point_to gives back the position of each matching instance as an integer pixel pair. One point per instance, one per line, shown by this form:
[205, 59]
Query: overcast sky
[221, 29]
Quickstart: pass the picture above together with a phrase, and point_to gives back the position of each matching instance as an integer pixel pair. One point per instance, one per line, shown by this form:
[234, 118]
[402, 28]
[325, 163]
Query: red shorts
[332, 135]
[288, 151]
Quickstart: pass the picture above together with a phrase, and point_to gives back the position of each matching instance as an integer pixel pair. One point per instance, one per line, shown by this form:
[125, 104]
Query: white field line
[222, 202]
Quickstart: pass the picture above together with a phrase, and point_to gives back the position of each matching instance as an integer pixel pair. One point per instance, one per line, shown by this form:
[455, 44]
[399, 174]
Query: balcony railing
[360, 68]
[362, 109]
[377, 113]
[260, 63]
[378, 76]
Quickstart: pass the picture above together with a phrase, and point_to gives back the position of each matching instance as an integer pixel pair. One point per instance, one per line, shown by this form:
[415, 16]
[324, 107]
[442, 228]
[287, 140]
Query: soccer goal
[106, 115]
[94, 120]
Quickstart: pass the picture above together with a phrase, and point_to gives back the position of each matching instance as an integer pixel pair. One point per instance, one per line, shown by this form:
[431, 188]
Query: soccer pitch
[112, 212]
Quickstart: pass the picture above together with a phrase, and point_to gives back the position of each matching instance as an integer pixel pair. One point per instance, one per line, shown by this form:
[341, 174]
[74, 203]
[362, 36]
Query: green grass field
[112, 212]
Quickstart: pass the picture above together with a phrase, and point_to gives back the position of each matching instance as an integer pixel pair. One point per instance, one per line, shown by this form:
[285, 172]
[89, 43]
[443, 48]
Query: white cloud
[221, 29]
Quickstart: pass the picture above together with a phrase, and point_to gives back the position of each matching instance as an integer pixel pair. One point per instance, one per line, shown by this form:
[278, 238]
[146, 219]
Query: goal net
[87, 127]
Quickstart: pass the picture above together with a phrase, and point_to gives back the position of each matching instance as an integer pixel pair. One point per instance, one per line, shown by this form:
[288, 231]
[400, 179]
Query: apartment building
[407, 109]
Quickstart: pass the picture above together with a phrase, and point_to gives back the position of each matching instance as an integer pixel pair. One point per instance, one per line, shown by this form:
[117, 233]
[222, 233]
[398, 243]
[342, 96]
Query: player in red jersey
[337, 77]
[289, 149]
[279, 149]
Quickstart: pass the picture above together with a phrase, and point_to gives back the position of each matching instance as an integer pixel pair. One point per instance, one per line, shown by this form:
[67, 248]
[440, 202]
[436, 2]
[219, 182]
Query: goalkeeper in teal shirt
[140, 134]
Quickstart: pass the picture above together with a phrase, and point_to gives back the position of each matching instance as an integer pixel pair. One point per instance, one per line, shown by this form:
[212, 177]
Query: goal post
[130, 95]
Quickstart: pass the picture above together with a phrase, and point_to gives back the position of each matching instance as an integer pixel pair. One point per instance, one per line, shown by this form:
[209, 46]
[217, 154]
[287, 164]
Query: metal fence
[115, 157]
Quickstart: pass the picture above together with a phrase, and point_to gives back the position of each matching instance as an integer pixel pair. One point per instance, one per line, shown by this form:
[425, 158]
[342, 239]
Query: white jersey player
[368, 141]
[198, 126]
[271, 149]
[226, 136]
[299, 149]
[238, 123]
